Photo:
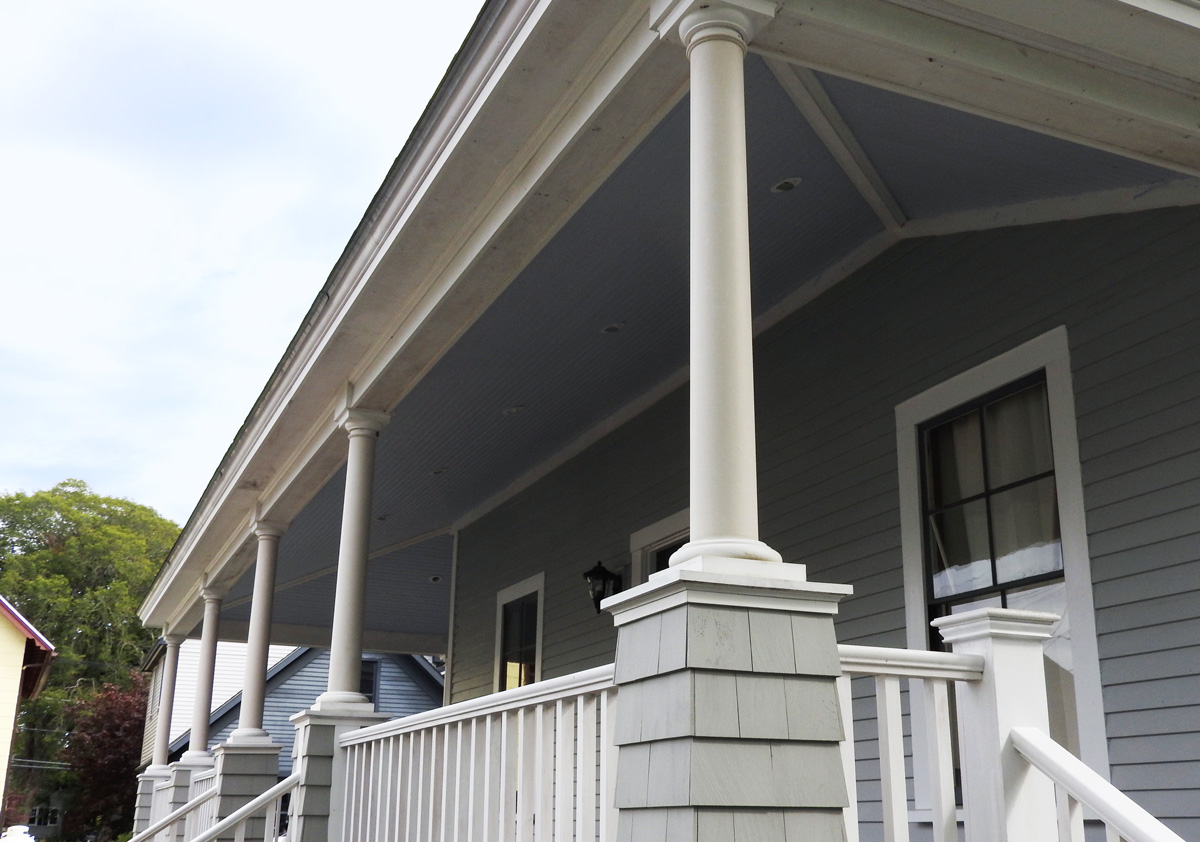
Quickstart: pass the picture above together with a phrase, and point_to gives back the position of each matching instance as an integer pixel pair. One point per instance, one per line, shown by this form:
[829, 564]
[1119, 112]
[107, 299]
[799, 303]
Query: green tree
[77, 565]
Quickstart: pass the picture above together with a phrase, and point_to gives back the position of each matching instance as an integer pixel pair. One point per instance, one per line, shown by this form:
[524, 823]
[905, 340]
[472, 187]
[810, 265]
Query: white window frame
[648, 540]
[534, 584]
[1049, 352]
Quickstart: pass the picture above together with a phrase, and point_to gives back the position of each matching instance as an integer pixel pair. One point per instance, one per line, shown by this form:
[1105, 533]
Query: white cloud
[176, 182]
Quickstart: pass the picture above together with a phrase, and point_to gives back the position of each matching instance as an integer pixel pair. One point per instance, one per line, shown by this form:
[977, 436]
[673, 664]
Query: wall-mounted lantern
[602, 583]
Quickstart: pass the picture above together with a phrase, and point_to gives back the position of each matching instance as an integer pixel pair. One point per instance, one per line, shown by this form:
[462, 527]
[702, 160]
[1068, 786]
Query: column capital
[212, 593]
[362, 420]
[269, 529]
[686, 21]
[174, 640]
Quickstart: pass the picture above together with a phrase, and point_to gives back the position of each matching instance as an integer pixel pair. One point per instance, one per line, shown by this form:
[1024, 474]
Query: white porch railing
[205, 815]
[1082, 787]
[167, 823]
[932, 671]
[534, 764]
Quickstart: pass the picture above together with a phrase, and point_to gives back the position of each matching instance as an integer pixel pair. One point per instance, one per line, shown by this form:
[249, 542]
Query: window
[991, 510]
[650, 548]
[989, 501]
[519, 633]
[368, 680]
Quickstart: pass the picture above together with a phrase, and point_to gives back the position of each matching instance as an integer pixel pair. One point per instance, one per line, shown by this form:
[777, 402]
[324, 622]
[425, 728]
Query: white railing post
[1004, 800]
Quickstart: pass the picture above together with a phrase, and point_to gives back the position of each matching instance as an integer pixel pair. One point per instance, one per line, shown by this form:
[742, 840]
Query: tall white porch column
[345, 655]
[254, 685]
[724, 482]
[197, 753]
[159, 769]
[166, 703]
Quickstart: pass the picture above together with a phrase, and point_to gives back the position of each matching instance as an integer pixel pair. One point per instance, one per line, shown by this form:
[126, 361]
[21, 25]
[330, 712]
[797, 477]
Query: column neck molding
[174, 641]
[212, 594]
[363, 421]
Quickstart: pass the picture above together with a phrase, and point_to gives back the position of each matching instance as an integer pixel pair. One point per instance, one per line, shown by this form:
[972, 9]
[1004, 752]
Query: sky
[177, 180]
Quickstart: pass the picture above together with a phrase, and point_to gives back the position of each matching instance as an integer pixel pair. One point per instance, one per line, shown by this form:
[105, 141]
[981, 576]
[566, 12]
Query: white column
[345, 655]
[258, 641]
[197, 752]
[166, 703]
[724, 482]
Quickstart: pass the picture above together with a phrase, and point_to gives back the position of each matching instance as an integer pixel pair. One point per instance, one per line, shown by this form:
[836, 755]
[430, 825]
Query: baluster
[941, 760]
[846, 706]
[585, 769]
[564, 757]
[510, 751]
[608, 764]
[526, 769]
[1070, 816]
[891, 759]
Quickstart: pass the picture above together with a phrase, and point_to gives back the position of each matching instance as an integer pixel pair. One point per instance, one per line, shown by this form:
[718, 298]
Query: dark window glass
[368, 679]
[662, 556]
[989, 498]
[518, 642]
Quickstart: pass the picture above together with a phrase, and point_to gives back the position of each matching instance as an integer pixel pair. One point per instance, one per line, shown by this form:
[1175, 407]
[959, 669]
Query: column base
[250, 737]
[195, 760]
[741, 548]
[340, 702]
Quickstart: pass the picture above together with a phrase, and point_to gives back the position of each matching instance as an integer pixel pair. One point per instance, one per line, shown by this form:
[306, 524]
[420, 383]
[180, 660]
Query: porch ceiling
[538, 371]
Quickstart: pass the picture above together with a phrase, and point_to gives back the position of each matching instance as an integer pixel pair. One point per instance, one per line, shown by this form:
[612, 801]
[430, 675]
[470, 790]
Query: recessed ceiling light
[437, 471]
[435, 579]
[513, 410]
[786, 185]
[615, 327]
[381, 517]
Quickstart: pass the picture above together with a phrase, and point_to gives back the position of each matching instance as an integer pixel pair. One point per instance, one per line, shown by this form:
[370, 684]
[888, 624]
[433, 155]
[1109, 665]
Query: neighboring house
[945, 351]
[25, 658]
[399, 685]
[227, 682]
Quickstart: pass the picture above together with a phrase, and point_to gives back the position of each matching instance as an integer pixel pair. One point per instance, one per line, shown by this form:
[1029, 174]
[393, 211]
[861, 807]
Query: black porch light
[602, 583]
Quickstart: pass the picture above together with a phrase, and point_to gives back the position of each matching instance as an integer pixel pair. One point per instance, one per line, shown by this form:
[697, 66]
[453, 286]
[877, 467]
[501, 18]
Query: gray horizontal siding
[828, 379]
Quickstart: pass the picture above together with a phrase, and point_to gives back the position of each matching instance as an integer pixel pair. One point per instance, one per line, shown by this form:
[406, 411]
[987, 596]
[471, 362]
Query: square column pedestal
[147, 782]
[727, 717]
[244, 772]
[318, 803]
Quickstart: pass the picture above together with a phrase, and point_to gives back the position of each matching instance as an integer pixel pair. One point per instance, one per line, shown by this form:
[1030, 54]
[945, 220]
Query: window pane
[518, 642]
[1025, 529]
[958, 543]
[1018, 437]
[955, 456]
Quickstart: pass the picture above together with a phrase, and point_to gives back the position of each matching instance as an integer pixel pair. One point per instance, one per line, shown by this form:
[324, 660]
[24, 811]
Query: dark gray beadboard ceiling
[537, 369]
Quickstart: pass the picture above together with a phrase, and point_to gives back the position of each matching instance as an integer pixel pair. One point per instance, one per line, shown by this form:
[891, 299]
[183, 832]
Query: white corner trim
[1049, 352]
[534, 584]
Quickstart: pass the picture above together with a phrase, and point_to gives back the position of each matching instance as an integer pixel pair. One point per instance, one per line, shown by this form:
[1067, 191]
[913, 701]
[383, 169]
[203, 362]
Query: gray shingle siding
[828, 380]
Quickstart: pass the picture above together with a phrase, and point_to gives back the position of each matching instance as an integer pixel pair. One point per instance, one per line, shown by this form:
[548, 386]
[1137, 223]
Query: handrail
[170, 819]
[909, 663]
[239, 815]
[589, 681]
[1116, 808]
